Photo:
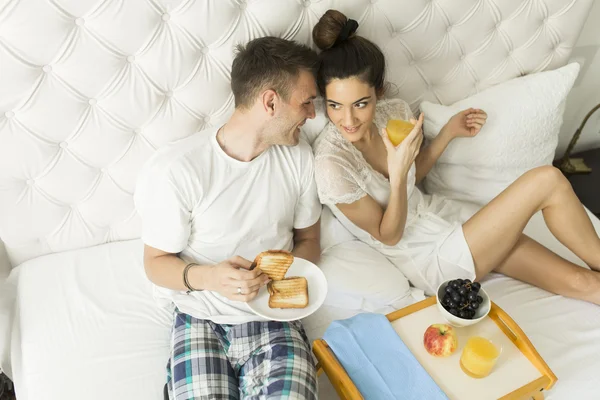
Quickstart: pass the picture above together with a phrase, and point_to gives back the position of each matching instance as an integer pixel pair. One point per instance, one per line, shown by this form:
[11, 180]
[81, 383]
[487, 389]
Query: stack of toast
[284, 292]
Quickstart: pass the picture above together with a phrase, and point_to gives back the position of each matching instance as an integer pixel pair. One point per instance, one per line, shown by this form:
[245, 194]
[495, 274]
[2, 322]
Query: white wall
[586, 92]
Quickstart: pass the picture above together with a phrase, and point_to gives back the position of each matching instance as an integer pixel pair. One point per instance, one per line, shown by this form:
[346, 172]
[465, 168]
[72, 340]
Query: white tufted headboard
[90, 88]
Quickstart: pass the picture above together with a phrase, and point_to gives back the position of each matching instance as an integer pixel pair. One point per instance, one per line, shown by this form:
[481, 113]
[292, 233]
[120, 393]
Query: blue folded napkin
[378, 361]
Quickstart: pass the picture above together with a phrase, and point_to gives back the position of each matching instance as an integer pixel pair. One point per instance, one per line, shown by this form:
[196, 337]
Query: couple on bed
[210, 203]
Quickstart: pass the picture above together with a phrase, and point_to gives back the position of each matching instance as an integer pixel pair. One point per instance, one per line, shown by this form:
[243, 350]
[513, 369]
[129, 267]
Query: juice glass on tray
[479, 357]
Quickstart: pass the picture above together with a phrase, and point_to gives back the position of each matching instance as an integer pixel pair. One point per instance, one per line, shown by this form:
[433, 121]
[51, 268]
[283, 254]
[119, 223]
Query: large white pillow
[359, 277]
[521, 133]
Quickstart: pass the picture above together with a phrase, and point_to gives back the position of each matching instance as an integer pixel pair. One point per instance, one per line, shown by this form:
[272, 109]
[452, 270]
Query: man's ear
[270, 101]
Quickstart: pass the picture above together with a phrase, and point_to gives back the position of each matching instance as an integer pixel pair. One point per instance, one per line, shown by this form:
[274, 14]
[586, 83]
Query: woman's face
[351, 107]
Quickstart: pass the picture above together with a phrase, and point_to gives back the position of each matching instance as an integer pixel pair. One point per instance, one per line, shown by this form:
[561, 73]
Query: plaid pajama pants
[255, 360]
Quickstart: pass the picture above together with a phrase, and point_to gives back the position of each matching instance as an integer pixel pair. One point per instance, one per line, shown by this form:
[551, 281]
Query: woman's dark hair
[343, 57]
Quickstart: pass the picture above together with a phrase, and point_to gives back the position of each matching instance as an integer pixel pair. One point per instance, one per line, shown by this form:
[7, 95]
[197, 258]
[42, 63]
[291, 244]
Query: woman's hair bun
[327, 31]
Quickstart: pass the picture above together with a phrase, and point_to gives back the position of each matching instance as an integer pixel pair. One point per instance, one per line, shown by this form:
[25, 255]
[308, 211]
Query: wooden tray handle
[519, 338]
[337, 375]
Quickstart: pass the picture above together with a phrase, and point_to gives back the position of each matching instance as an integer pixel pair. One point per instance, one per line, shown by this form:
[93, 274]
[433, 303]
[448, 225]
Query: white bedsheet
[89, 328]
[565, 332]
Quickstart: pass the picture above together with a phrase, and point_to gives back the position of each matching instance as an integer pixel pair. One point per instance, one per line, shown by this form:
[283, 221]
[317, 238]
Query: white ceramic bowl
[481, 313]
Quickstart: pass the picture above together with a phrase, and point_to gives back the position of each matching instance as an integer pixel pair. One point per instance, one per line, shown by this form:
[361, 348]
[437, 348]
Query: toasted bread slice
[288, 293]
[274, 263]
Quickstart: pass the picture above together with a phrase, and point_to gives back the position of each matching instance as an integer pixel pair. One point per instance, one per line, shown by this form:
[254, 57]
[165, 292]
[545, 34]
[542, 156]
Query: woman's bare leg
[493, 231]
[533, 263]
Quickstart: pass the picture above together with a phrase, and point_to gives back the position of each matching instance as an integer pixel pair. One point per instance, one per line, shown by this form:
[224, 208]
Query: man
[209, 204]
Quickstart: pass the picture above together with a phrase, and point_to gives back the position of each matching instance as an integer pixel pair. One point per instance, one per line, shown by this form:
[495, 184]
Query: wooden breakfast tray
[520, 372]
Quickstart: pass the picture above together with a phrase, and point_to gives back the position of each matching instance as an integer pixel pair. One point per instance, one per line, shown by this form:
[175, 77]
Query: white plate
[317, 290]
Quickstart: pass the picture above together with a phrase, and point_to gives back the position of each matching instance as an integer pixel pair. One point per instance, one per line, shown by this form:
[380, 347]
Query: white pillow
[332, 230]
[521, 133]
[359, 277]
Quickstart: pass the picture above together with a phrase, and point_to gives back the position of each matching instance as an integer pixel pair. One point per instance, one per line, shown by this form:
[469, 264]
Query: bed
[90, 89]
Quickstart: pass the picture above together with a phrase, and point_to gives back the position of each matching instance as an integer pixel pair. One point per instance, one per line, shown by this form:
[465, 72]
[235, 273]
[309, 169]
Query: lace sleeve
[336, 181]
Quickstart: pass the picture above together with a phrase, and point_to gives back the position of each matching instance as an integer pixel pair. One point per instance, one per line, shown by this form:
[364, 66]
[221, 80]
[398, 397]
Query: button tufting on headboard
[90, 89]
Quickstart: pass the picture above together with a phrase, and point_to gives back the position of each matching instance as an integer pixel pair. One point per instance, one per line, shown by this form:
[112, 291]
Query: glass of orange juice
[398, 130]
[479, 357]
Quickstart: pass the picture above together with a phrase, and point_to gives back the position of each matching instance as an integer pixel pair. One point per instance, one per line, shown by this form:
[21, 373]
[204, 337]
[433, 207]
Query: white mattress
[90, 329]
[565, 332]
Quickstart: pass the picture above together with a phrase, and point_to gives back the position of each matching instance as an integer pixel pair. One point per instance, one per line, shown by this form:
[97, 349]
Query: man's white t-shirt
[195, 200]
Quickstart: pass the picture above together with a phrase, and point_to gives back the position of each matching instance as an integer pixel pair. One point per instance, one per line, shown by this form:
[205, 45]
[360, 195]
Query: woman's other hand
[401, 157]
[467, 123]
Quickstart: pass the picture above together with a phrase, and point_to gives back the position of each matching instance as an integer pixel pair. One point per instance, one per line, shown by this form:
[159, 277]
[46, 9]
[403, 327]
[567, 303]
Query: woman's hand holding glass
[400, 158]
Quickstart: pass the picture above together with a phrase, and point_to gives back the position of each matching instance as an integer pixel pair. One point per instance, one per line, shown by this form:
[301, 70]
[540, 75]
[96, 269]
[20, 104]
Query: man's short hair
[268, 63]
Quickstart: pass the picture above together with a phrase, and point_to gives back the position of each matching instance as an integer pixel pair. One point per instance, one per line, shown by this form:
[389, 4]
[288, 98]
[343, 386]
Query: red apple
[440, 340]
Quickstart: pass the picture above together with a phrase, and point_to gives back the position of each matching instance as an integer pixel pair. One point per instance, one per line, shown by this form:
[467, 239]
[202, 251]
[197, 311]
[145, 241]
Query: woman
[369, 185]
